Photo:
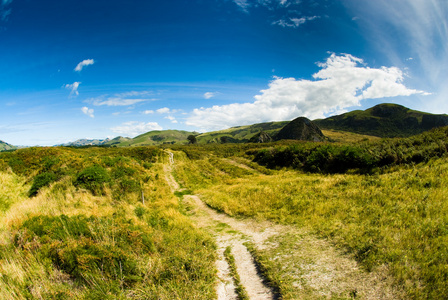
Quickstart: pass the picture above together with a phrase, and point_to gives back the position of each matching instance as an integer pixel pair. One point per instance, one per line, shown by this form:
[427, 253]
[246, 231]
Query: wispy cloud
[134, 128]
[121, 99]
[84, 63]
[20, 127]
[287, 13]
[88, 111]
[294, 22]
[209, 95]
[5, 10]
[418, 29]
[73, 88]
[342, 82]
[243, 4]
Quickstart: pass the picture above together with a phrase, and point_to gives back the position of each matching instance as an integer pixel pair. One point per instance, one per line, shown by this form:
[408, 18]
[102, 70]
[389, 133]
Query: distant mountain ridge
[382, 120]
[86, 142]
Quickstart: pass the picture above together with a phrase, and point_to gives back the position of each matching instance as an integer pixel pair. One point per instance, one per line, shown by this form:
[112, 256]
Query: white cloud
[134, 128]
[166, 110]
[84, 63]
[148, 112]
[73, 88]
[293, 22]
[209, 95]
[121, 99]
[172, 119]
[342, 82]
[88, 111]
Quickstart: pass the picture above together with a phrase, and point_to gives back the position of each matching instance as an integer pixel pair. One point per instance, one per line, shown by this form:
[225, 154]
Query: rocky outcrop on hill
[301, 129]
[262, 137]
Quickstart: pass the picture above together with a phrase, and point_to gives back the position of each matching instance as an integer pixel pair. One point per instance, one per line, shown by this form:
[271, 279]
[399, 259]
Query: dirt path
[207, 218]
[229, 232]
[314, 268]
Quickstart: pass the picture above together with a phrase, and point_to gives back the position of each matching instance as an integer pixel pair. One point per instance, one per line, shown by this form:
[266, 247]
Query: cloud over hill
[342, 82]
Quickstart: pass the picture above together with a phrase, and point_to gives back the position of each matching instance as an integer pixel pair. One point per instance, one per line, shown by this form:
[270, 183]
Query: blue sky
[96, 69]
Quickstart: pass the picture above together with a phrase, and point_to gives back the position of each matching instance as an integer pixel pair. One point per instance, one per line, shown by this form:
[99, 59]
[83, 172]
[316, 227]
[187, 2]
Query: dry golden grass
[177, 262]
[348, 137]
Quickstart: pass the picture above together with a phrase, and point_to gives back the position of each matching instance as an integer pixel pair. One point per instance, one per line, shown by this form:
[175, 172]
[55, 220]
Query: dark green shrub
[16, 164]
[128, 186]
[140, 211]
[338, 159]
[41, 181]
[93, 179]
[121, 172]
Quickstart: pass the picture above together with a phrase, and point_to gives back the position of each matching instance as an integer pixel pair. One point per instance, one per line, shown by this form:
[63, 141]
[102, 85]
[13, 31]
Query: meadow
[97, 223]
[102, 223]
[383, 202]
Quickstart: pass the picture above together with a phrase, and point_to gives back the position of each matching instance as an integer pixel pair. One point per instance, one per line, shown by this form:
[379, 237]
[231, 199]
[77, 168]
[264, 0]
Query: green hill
[240, 134]
[384, 120]
[5, 146]
[156, 138]
[116, 141]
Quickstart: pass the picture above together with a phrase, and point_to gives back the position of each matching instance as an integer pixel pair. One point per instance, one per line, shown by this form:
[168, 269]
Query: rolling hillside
[384, 120]
[158, 137]
[240, 134]
[5, 146]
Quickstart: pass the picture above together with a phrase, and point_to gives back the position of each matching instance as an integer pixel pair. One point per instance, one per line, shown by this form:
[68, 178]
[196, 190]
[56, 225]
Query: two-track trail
[227, 232]
[316, 269]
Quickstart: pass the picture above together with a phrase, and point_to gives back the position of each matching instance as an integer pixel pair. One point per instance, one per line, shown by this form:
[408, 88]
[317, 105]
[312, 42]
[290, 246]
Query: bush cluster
[363, 157]
[41, 181]
[93, 179]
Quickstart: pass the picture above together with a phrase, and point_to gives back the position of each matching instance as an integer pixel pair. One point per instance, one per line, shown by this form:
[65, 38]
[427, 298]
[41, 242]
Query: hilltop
[5, 146]
[240, 134]
[158, 137]
[384, 120]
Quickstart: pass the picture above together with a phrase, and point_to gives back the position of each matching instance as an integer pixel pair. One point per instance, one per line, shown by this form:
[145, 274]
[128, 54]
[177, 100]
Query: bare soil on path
[315, 269]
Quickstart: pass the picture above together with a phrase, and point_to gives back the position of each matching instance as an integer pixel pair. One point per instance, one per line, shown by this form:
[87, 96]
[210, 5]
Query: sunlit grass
[134, 243]
[397, 219]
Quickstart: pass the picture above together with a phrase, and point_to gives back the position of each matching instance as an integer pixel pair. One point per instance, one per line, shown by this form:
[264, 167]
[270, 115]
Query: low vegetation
[383, 202]
[102, 223]
[74, 227]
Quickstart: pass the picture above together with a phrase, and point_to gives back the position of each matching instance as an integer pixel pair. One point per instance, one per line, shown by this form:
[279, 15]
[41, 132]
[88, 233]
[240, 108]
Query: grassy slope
[157, 138]
[241, 133]
[5, 146]
[394, 220]
[384, 120]
[112, 246]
